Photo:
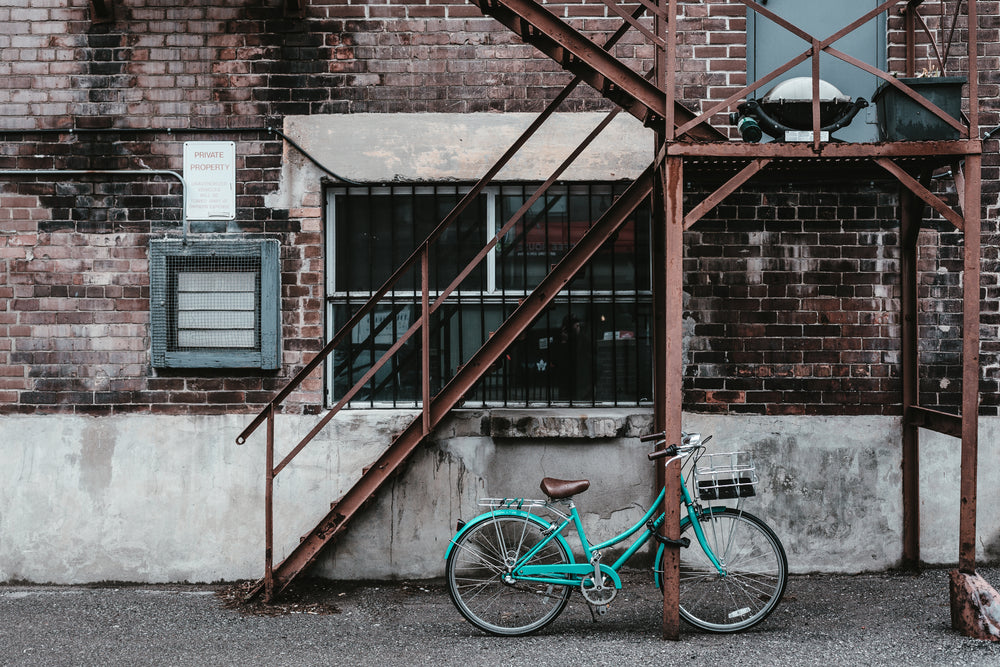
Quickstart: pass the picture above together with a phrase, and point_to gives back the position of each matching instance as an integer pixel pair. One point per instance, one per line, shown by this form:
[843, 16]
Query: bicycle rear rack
[512, 503]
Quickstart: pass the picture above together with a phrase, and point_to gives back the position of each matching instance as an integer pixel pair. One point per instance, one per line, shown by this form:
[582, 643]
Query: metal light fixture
[787, 108]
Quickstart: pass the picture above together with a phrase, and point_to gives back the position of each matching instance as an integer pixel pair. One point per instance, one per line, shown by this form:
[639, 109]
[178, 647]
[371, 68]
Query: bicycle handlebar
[660, 453]
[673, 450]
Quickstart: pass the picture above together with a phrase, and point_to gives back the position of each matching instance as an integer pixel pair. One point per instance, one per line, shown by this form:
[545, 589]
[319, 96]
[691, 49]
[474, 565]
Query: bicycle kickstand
[597, 610]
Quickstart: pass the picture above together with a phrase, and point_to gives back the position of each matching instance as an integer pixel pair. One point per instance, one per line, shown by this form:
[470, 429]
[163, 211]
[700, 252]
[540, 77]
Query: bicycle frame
[571, 574]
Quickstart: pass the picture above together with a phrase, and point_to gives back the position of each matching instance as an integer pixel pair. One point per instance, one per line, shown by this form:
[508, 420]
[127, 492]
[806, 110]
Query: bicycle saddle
[563, 488]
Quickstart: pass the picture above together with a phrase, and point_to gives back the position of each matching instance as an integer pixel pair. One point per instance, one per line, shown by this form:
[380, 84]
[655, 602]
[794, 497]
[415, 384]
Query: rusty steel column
[970, 367]
[668, 372]
[269, 508]
[910, 214]
[975, 604]
[667, 249]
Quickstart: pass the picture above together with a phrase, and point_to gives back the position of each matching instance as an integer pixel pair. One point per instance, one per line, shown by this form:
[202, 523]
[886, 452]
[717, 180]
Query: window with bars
[590, 347]
[214, 303]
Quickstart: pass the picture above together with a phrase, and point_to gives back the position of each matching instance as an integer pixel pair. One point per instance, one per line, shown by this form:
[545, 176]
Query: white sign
[805, 135]
[210, 174]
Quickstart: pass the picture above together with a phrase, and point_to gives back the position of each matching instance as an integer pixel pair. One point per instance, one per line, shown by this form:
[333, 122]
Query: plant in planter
[901, 118]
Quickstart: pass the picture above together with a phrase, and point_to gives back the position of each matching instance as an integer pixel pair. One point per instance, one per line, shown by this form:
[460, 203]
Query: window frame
[494, 295]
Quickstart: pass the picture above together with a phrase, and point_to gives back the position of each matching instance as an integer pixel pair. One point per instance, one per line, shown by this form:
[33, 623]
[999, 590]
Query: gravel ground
[877, 619]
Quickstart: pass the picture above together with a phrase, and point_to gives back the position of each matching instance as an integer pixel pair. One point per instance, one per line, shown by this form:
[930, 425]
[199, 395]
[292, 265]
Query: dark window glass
[375, 233]
[591, 346]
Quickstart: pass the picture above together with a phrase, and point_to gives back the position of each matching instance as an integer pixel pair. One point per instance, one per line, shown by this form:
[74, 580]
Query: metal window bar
[212, 303]
[465, 323]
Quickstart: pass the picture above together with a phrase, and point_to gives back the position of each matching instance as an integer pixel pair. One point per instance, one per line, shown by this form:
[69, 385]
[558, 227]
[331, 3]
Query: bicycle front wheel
[482, 556]
[756, 571]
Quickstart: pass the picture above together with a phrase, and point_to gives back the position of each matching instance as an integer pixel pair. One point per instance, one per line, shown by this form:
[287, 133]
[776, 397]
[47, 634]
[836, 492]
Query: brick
[187, 71]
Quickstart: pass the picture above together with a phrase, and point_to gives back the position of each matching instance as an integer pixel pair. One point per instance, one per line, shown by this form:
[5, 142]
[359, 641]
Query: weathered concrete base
[975, 607]
[163, 499]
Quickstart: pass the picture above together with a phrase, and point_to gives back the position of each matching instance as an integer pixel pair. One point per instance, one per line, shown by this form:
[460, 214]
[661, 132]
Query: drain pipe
[105, 172]
[270, 129]
[157, 172]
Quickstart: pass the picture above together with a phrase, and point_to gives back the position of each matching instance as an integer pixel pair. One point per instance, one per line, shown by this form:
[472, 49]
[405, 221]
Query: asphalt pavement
[871, 619]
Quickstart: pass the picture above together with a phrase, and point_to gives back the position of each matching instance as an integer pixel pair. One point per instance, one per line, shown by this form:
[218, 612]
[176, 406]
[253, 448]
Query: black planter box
[902, 119]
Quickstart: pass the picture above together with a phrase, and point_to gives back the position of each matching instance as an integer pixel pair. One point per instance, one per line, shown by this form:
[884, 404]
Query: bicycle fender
[518, 513]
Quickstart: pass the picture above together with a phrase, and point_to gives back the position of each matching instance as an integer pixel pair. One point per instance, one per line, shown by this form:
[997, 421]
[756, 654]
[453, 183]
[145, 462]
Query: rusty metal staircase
[594, 65]
[615, 81]
[372, 479]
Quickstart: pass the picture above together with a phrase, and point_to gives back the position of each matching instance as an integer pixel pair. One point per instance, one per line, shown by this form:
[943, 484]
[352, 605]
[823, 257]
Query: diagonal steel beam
[602, 71]
[727, 188]
[919, 190]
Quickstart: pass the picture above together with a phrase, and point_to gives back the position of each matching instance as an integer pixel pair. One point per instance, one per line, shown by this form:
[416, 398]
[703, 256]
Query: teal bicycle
[510, 570]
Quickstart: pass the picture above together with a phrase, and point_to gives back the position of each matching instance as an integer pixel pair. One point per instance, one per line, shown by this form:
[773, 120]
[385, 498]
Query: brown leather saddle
[563, 488]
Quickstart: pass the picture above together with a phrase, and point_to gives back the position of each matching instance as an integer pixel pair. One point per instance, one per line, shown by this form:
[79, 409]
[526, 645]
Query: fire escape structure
[688, 147]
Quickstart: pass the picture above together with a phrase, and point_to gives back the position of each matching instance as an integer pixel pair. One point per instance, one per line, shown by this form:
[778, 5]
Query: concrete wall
[157, 499]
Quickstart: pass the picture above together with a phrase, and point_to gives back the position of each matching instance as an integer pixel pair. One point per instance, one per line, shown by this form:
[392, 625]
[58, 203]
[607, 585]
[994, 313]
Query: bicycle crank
[598, 594]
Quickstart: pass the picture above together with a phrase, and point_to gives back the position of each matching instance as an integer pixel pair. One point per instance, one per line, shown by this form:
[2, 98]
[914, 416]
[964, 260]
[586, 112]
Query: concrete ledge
[591, 425]
[521, 423]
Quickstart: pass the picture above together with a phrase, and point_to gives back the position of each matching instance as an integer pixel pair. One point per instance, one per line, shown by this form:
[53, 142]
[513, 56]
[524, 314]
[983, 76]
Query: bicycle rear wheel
[756, 572]
[480, 558]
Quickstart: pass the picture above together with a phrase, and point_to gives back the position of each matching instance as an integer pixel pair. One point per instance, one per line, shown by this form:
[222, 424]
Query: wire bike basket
[725, 475]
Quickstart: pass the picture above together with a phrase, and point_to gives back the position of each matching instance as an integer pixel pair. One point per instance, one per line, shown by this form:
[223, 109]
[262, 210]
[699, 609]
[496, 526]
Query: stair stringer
[602, 71]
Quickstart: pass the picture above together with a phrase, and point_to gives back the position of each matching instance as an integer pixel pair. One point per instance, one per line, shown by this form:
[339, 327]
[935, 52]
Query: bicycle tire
[756, 572]
[479, 558]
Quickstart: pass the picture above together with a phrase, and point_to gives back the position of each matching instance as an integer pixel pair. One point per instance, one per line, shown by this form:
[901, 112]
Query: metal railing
[419, 258]
[819, 46]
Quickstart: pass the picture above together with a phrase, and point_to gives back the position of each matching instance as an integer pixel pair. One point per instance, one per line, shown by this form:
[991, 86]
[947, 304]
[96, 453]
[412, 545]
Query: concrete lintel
[381, 148]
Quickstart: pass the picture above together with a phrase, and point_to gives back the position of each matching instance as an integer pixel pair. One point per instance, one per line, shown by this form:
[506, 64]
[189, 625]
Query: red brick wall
[794, 304]
[73, 250]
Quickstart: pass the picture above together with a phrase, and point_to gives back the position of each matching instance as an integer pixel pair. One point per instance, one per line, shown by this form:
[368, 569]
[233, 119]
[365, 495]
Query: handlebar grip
[661, 453]
[652, 436]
